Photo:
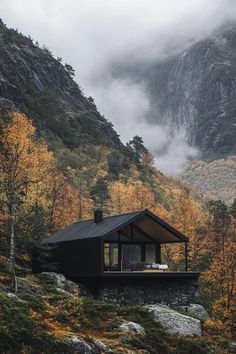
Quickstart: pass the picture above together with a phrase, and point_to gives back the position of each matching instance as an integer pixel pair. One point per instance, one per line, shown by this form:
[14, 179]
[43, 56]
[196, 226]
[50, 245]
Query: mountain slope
[32, 81]
[195, 90]
[215, 179]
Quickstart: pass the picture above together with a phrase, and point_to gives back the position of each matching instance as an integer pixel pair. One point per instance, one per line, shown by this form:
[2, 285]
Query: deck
[142, 274]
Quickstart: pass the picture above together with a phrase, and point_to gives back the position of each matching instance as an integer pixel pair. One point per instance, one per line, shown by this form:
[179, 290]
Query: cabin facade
[119, 258]
[128, 243]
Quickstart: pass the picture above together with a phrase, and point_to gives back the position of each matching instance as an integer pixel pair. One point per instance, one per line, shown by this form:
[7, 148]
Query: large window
[150, 253]
[111, 259]
[130, 257]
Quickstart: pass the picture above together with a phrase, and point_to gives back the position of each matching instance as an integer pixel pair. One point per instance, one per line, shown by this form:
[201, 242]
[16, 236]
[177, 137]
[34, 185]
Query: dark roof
[144, 218]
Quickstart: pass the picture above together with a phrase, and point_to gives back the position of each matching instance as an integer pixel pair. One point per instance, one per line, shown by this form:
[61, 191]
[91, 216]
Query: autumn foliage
[40, 193]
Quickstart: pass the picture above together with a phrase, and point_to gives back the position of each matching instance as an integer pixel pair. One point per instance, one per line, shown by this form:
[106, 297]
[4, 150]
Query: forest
[43, 191]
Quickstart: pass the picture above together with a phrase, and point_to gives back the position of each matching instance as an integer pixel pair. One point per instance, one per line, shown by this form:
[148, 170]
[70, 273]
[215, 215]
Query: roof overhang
[154, 227]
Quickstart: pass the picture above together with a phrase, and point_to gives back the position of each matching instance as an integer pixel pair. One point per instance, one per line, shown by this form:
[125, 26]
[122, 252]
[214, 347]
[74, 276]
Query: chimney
[98, 216]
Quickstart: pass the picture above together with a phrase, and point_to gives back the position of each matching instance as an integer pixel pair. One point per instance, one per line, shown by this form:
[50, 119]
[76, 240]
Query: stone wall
[174, 292]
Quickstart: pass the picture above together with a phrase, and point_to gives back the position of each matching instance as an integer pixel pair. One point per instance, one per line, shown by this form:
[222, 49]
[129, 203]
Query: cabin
[114, 252]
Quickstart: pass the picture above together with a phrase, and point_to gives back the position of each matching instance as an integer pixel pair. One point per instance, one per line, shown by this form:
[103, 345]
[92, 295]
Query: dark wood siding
[81, 258]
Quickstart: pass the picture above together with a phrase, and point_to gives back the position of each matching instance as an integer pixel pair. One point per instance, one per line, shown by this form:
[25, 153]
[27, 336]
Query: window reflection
[111, 261]
[150, 253]
[131, 257]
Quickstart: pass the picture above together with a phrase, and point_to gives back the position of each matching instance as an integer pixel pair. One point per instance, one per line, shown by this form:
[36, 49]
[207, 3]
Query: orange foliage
[129, 197]
[66, 204]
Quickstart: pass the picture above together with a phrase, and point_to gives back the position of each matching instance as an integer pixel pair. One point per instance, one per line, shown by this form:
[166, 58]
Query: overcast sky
[92, 34]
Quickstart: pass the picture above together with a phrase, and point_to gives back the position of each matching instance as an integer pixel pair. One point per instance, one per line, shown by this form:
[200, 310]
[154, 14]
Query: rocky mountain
[195, 90]
[37, 84]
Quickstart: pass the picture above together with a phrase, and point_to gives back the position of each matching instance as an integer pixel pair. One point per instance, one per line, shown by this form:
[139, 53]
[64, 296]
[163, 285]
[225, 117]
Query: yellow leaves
[24, 159]
[118, 198]
[214, 326]
[134, 174]
[141, 196]
[29, 175]
[160, 211]
[130, 197]
[65, 204]
[221, 274]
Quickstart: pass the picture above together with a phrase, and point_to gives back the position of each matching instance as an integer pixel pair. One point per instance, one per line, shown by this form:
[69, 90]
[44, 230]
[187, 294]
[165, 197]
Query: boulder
[60, 282]
[131, 327]
[175, 323]
[195, 310]
[232, 348]
[79, 346]
[101, 346]
[13, 297]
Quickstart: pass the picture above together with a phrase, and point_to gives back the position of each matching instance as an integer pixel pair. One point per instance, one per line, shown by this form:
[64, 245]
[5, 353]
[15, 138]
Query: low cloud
[92, 35]
[128, 104]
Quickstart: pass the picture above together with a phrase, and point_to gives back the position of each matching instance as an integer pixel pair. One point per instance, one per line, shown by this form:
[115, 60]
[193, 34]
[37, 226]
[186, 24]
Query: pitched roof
[145, 220]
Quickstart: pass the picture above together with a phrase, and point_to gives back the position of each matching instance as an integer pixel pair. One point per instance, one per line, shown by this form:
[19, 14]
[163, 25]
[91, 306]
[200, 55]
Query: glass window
[150, 253]
[131, 257]
[111, 256]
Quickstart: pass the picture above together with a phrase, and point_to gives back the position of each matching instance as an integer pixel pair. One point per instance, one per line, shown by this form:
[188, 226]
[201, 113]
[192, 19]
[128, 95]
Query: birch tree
[24, 160]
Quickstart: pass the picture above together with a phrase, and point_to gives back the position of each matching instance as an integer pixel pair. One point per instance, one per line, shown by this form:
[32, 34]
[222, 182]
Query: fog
[91, 35]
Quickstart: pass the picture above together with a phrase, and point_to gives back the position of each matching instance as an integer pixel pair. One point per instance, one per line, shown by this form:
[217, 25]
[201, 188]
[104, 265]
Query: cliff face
[35, 83]
[199, 93]
[195, 89]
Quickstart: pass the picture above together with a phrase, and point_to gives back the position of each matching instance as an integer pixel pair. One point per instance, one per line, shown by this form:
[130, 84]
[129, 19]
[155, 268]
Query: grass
[39, 323]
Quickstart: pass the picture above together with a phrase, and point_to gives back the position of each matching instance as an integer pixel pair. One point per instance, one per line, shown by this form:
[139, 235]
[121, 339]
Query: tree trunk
[12, 243]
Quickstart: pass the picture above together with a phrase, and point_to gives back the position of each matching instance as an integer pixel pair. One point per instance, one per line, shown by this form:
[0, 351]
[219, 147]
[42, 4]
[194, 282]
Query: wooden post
[119, 254]
[158, 253]
[143, 252]
[186, 256]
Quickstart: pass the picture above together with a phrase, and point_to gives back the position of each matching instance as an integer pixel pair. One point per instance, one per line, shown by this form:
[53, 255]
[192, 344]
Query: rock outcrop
[175, 323]
[35, 83]
[81, 346]
[131, 327]
[60, 282]
[194, 90]
[195, 310]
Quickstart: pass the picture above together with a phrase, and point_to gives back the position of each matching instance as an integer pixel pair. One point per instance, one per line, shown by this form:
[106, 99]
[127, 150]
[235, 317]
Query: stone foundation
[173, 292]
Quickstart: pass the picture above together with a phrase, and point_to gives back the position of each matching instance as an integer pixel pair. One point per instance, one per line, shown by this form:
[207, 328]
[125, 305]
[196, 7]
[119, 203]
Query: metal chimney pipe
[98, 216]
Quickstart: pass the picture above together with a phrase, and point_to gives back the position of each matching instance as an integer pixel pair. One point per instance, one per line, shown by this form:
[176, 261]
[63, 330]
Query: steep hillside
[35, 83]
[55, 318]
[216, 179]
[196, 91]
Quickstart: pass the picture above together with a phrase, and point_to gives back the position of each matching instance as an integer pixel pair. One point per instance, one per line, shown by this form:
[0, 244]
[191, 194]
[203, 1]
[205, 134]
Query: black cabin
[121, 245]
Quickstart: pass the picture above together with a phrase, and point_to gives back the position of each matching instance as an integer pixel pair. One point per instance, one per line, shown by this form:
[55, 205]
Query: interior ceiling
[155, 230]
